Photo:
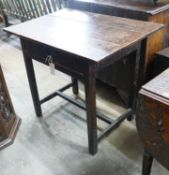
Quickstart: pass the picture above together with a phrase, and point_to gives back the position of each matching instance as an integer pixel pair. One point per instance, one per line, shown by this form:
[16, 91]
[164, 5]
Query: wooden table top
[88, 35]
[158, 88]
[146, 6]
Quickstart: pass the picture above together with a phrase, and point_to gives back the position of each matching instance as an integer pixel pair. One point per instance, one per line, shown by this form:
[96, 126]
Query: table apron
[65, 62]
[119, 55]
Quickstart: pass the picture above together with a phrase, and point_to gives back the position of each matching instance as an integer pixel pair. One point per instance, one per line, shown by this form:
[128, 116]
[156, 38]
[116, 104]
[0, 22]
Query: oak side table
[80, 44]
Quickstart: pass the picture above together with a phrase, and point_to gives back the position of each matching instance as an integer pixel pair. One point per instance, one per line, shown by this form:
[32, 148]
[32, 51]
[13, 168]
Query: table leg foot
[147, 163]
[75, 87]
[130, 118]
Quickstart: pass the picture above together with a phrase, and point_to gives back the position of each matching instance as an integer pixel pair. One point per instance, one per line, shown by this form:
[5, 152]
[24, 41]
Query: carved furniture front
[153, 121]
[80, 44]
[9, 122]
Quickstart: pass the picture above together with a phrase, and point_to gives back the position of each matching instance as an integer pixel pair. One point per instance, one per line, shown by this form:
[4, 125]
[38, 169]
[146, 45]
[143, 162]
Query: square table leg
[33, 85]
[90, 93]
[139, 72]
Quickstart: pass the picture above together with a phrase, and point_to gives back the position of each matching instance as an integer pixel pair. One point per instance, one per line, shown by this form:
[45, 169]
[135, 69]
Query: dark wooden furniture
[9, 122]
[1, 19]
[27, 9]
[135, 9]
[81, 44]
[161, 61]
[153, 121]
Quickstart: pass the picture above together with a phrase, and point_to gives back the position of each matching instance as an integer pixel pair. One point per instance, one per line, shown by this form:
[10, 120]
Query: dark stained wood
[147, 163]
[159, 85]
[90, 94]
[80, 44]
[75, 87]
[86, 30]
[153, 118]
[161, 61]
[32, 82]
[9, 122]
[135, 9]
[160, 40]
[1, 19]
[137, 5]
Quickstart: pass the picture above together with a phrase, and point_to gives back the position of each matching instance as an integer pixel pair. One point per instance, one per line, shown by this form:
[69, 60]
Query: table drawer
[63, 61]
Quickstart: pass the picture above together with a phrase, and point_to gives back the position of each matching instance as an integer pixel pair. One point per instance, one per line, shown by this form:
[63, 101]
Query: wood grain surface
[159, 86]
[137, 5]
[85, 34]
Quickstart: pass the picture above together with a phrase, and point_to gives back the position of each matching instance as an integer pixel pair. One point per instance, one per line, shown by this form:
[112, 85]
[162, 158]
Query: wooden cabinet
[9, 122]
[120, 73]
[153, 121]
[161, 61]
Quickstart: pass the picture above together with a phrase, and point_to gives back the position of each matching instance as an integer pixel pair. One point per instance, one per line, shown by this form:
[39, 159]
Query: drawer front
[63, 61]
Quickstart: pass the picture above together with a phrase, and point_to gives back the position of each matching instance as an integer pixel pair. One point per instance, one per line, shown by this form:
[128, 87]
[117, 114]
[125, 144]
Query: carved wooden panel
[153, 127]
[8, 121]
[153, 117]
